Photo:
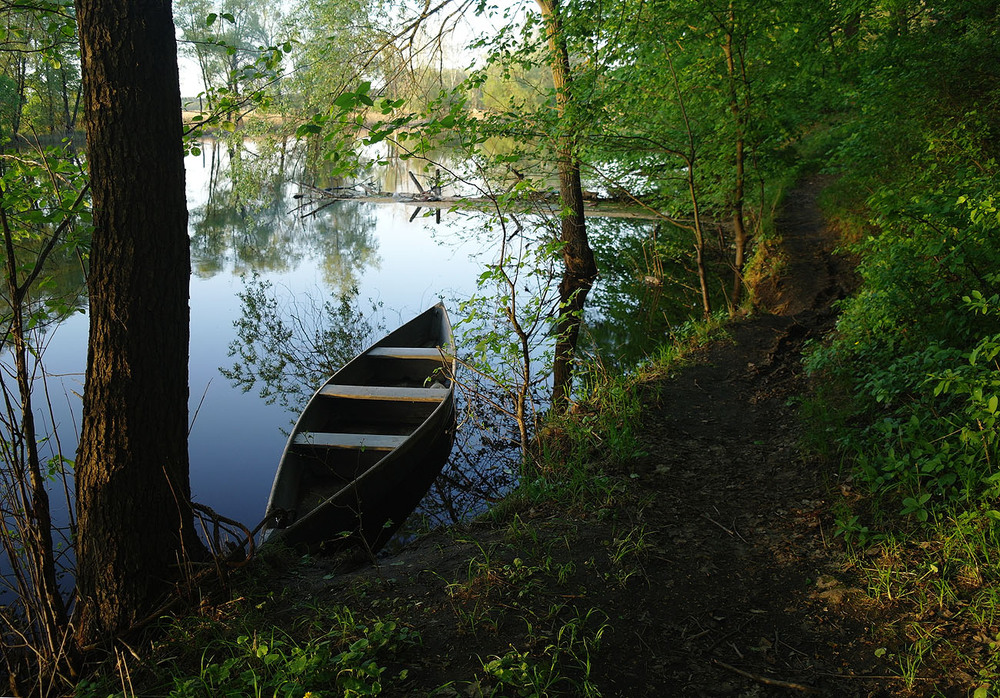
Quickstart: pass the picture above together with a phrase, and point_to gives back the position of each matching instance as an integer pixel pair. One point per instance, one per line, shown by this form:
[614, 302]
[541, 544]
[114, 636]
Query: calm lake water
[236, 438]
[244, 220]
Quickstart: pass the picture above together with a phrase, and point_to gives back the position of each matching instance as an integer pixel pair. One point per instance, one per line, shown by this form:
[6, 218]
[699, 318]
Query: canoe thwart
[377, 392]
[408, 352]
[371, 442]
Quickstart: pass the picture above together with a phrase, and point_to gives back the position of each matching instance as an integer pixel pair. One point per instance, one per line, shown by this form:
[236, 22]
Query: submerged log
[431, 198]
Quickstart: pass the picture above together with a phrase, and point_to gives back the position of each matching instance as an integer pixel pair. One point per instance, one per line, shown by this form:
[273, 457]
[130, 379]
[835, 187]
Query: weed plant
[240, 652]
[908, 392]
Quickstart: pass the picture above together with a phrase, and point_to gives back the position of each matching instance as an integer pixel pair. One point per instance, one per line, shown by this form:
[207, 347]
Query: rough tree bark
[132, 482]
[579, 267]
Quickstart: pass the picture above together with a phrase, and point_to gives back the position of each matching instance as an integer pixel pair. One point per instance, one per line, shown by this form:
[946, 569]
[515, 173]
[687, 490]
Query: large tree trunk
[579, 267]
[132, 466]
[579, 272]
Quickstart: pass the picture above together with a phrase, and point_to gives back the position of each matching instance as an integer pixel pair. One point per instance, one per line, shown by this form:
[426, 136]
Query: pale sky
[467, 29]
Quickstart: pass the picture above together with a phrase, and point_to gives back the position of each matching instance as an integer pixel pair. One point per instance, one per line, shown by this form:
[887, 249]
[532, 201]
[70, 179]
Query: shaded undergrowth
[906, 405]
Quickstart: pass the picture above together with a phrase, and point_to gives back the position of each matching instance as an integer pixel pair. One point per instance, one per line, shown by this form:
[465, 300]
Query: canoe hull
[369, 443]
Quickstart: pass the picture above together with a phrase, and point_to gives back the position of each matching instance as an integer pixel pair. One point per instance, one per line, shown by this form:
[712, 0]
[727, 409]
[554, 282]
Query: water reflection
[644, 292]
[285, 346]
[242, 222]
[345, 239]
[245, 222]
[647, 287]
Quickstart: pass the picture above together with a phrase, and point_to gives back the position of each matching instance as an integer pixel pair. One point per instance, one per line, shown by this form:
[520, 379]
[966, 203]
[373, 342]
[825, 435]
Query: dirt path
[745, 593]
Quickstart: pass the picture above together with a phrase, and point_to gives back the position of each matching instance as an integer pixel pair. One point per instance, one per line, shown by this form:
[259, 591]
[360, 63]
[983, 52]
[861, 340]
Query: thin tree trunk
[205, 78]
[22, 97]
[135, 524]
[50, 98]
[580, 268]
[37, 519]
[690, 160]
[76, 107]
[738, 195]
[699, 244]
[64, 84]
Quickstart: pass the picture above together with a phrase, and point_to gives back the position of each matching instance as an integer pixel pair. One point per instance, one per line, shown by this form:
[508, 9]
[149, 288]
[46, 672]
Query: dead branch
[766, 680]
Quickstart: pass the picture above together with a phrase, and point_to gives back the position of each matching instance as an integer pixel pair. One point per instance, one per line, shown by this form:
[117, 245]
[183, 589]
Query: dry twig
[766, 680]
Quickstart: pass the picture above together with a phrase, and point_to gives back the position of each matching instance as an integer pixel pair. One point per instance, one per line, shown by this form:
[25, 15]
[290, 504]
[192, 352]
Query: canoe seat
[379, 392]
[406, 352]
[368, 442]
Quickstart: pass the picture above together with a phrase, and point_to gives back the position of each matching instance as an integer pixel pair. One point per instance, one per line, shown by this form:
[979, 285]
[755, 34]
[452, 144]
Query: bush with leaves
[916, 344]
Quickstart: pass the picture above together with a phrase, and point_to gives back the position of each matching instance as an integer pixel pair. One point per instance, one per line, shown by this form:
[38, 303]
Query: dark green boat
[370, 442]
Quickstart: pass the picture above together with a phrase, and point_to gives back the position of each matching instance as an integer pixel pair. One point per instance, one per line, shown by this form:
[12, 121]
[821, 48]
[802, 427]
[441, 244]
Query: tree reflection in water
[647, 288]
[287, 344]
[245, 222]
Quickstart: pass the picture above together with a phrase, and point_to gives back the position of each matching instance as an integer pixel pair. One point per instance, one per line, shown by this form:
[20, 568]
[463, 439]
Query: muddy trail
[716, 574]
[748, 596]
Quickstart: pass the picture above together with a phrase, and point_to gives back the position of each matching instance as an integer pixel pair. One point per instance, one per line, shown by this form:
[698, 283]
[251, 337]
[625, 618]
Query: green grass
[239, 653]
[945, 577]
[562, 667]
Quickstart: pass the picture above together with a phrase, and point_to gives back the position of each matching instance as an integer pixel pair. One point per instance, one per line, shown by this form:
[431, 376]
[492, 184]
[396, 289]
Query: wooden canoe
[370, 441]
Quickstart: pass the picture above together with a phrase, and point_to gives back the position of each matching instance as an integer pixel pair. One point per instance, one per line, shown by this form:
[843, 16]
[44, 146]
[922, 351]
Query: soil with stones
[736, 586]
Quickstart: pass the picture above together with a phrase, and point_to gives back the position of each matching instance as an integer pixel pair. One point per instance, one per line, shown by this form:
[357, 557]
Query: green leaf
[306, 130]
[346, 101]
